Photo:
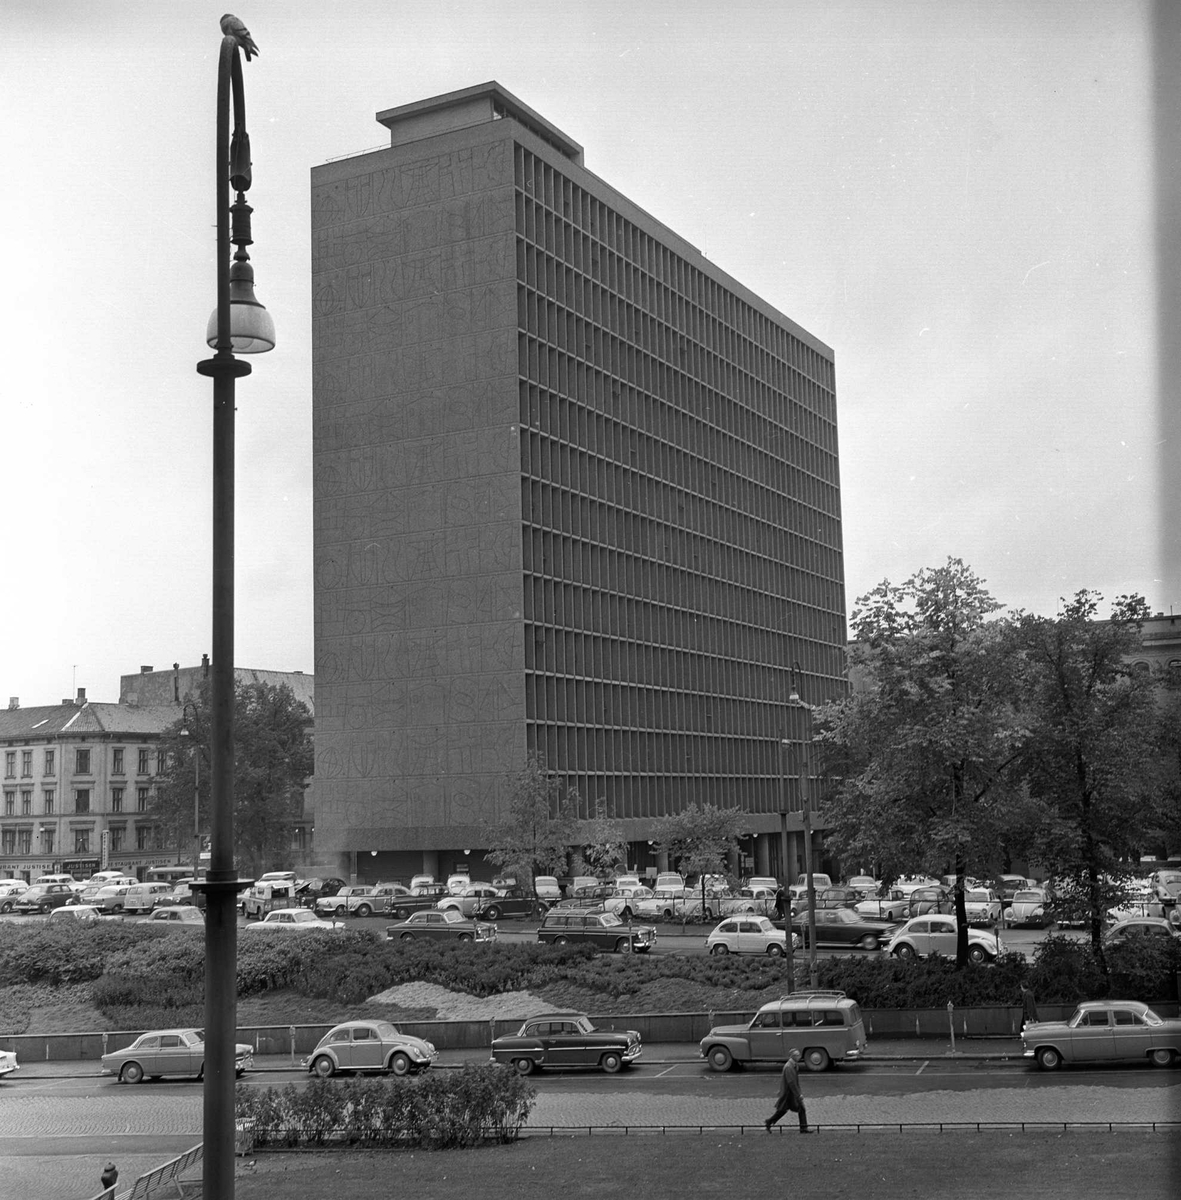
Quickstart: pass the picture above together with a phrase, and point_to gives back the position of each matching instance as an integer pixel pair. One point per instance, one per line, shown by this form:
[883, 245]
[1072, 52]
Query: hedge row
[436, 1111]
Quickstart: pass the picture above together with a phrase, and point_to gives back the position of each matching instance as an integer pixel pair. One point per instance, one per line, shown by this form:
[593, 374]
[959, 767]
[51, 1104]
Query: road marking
[926, 1064]
[661, 1074]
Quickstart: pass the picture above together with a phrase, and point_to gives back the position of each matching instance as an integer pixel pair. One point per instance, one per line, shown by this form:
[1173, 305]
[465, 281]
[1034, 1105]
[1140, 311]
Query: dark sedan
[43, 897]
[844, 927]
[440, 926]
[508, 902]
[566, 1040]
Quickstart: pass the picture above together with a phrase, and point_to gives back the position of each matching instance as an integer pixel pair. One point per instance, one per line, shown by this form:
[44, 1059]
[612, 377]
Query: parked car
[44, 897]
[369, 1046]
[1029, 907]
[1140, 927]
[865, 885]
[11, 890]
[91, 888]
[423, 880]
[8, 1063]
[757, 899]
[925, 900]
[349, 900]
[168, 1052]
[507, 902]
[1104, 1031]
[422, 896]
[458, 880]
[894, 905]
[602, 929]
[749, 933]
[982, 906]
[936, 934]
[465, 902]
[668, 879]
[1166, 886]
[110, 897]
[1007, 886]
[308, 891]
[844, 927]
[68, 880]
[80, 912]
[142, 898]
[566, 1040]
[440, 926]
[546, 888]
[800, 887]
[824, 1026]
[176, 916]
[290, 920]
[678, 903]
[624, 899]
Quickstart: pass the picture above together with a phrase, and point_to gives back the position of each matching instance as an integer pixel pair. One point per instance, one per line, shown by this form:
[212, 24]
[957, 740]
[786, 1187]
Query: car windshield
[584, 1025]
[845, 916]
[452, 915]
[302, 915]
[979, 897]
[1028, 898]
[610, 919]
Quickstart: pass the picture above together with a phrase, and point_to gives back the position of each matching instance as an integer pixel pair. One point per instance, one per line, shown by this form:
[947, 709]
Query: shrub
[477, 1104]
[1065, 971]
[1144, 968]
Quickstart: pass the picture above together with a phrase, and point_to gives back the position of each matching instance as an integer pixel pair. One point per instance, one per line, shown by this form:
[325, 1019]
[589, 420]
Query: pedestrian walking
[1028, 1006]
[791, 1099]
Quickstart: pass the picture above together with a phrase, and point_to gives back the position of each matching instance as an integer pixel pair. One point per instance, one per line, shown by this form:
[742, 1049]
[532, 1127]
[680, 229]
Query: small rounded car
[937, 934]
[176, 916]
[982, 906]
[11, 891]
[79, 912]
[8, 1062]
[1030, 906]
[566, 1040]
[291, 920]
[1104, 1031]
[749, 933]
[893, 905]
[369, 1046]
[1135, 928]
[168, 1052]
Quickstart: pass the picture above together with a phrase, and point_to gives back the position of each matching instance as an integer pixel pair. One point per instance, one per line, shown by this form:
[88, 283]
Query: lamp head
[251, 329]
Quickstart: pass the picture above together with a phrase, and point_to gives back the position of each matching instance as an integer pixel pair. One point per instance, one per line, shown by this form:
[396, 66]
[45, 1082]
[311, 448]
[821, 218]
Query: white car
[749, 933]
[79, 912]
[11, 891]
[751, 900]
[465, 902]
[894, 906]
[675, 903]
[936, 934]
[624, 899]
[294, 920]
[1030, 907]
[547, 888]
[8, 1063]
[110, 897]
[799, 889]
[357, 901]
[982, 906]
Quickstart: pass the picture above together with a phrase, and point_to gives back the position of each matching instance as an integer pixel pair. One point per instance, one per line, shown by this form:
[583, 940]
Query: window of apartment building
[24, 841]
[81, 841]
[10, 804]
[82, 800]
[8, 841]
[117, 839]
[50, 764]
[27, 764]
[116, 800]
[26, 802]
[143, 837]
[143, 762]
[117, 761]
[141, 799]
[9, 764]
[47, 840]
[82, 762]
[49, 796]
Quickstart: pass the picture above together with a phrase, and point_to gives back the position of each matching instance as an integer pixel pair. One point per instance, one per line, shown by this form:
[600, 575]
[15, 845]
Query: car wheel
[5, 906]
[720, 1059]
[523, 1066]
[132, 1073]
[324, 1067]
[400, 1063]
[775, 950]
[905, 951]
[341, 909]
[118, 908]
[816, 1058]
[561, 941]
[239, 1072]
[407, 937]
[1048, 1058]
[667, 914]
[612, 1062]
[719, 948]
[1162, 1058]
[869, 942]
[977, 954]
[626, 914]
[621, 946]
[364, 910]
[493, 914]
[201, 1073]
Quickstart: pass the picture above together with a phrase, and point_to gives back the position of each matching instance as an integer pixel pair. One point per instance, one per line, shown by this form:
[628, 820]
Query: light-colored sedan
[8, 1062]
[291, 920]
[936, 934]
[1104, 1031]
[168, 1052]
[1029, 907]
[894, 906]
[369, 1046]
[466, 901]
[176, 916]
[79, 912]
[749, 933]
[982, 906]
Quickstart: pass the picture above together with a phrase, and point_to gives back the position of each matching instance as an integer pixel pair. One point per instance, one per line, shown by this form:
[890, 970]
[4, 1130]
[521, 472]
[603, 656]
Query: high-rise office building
[576, 493]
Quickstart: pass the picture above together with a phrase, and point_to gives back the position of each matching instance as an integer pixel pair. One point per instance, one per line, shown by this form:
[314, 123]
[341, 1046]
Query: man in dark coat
[791, 1099]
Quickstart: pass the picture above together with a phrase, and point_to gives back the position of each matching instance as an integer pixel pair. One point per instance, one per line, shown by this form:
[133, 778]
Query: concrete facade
[575, 493]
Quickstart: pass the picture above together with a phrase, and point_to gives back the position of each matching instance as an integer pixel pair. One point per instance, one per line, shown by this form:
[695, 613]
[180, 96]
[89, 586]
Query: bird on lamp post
[233, 27]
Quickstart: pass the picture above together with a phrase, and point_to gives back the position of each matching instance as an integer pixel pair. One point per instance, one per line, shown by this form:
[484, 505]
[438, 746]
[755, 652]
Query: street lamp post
[784, 748]
[806, 805]
[184, 732]
[239, 323]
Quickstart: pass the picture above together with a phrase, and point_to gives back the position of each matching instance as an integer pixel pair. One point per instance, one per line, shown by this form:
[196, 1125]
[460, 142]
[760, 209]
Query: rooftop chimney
[145, 670]
[81, 697]
[14, 702]
[204, 666]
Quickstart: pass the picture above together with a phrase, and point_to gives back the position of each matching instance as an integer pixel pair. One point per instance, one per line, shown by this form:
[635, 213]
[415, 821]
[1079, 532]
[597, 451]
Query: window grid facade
[681, 514]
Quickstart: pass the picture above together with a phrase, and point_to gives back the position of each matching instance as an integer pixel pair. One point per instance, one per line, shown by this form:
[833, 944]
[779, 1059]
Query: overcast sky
[956, 197]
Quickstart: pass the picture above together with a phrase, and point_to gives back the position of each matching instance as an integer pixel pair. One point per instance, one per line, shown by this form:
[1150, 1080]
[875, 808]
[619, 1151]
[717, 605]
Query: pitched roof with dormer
[88, 719]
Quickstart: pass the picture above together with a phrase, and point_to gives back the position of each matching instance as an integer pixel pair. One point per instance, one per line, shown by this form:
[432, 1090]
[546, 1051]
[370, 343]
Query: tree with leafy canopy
[700, 840]
[922, 756]
[273, 761]
[602, 843]
[1091, 752]
[538, 827]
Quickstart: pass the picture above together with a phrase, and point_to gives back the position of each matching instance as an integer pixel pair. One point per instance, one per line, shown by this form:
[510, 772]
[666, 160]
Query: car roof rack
[814, 994]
